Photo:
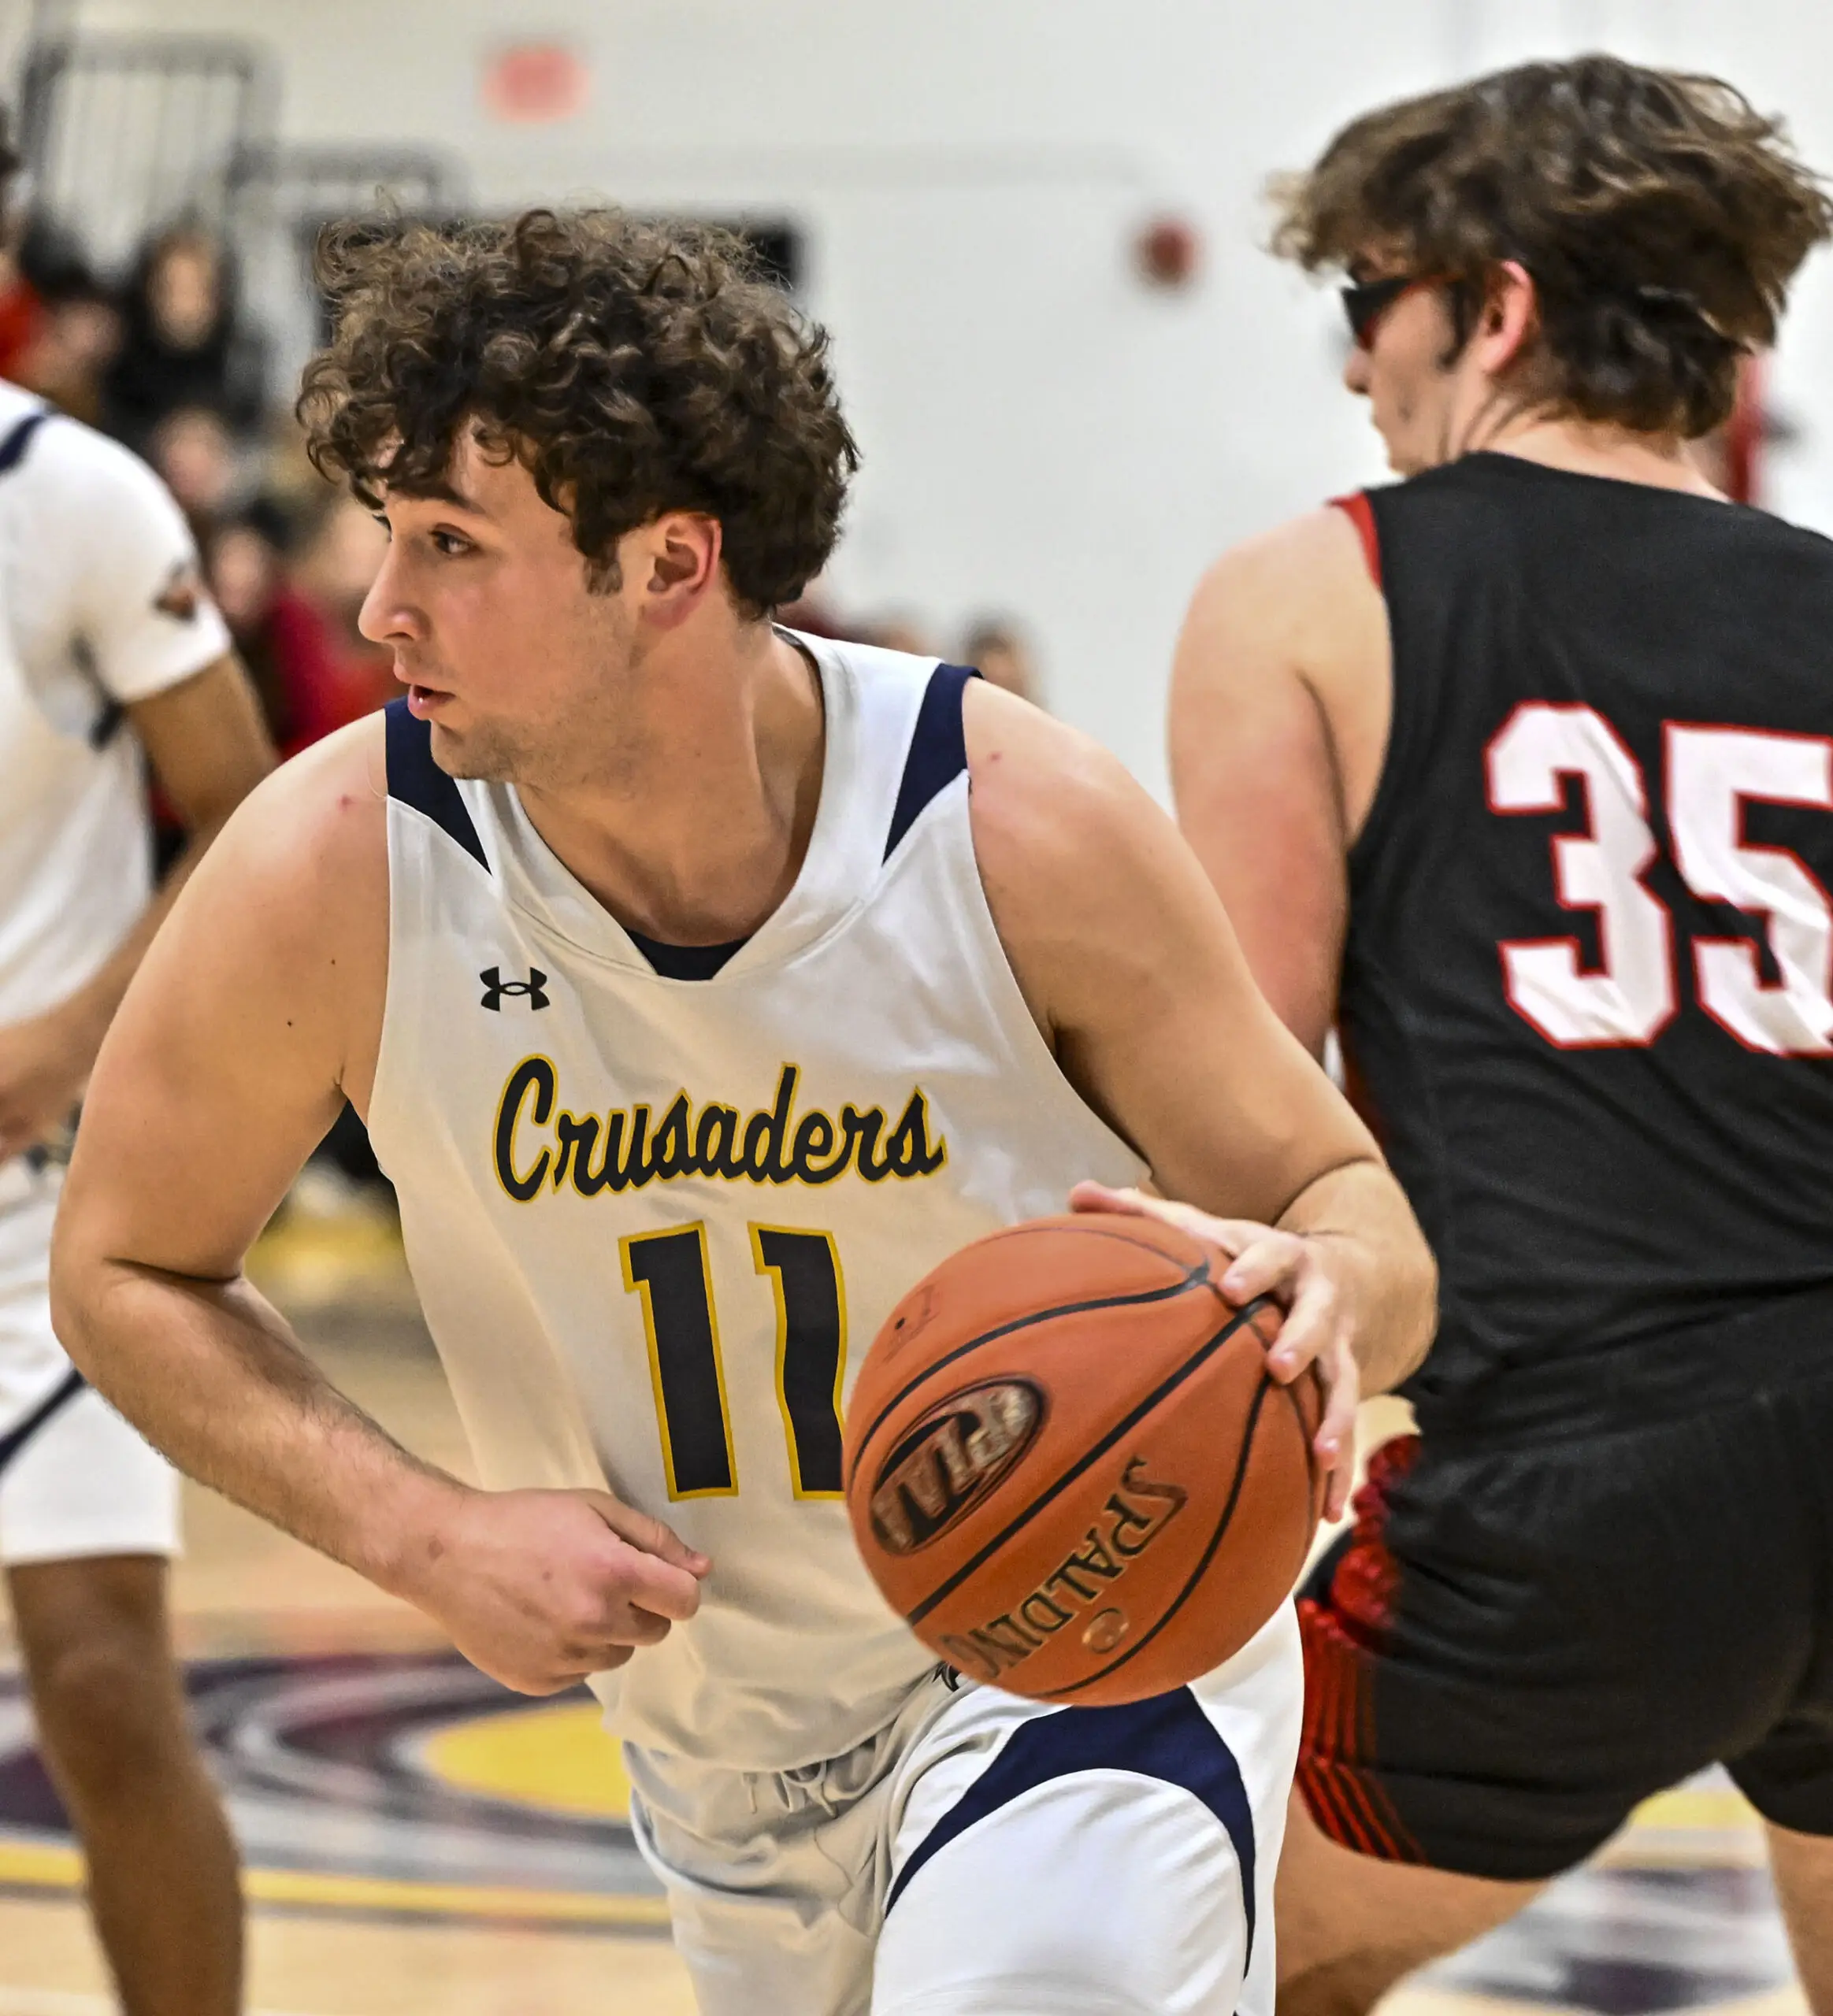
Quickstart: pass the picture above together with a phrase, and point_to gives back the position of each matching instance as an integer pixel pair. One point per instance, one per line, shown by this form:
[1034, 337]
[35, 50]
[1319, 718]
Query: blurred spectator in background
[181, 344]
[58, 328]
[1004, 656]
[21, 316]
[192, 448]
[892, 630]
[811, 613]
[335, 569]
[78, 336]
[288, 645]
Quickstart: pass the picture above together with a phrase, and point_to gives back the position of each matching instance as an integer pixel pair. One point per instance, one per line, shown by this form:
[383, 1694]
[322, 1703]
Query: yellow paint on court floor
[1696, 1806]
[557, 1757]
[31, 1865]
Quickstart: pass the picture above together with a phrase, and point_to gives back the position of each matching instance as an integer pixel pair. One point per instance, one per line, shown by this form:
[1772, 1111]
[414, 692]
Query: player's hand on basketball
[540, 1588]
[1312, 1279]
[44, 1064]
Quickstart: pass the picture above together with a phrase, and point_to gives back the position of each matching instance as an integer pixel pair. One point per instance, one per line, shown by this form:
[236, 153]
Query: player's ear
[682, 552]
[1509, 317]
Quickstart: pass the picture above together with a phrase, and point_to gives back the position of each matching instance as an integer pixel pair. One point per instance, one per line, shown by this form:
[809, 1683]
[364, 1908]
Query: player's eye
[451, 544]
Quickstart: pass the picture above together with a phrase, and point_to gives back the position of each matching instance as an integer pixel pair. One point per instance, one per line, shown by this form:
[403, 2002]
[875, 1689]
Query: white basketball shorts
[986, 1856]
[75, 1479]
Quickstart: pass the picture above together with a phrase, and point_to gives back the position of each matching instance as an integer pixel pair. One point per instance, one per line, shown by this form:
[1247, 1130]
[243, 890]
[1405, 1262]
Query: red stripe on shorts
[1346, 1632]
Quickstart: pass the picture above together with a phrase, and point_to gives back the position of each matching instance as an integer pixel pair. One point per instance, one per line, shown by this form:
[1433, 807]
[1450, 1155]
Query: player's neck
[700, 833]
[1587, 448]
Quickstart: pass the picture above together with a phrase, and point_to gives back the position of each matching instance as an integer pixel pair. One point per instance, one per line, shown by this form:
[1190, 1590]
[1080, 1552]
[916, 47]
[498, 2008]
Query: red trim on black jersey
[1345, 1632]
[1357, 508]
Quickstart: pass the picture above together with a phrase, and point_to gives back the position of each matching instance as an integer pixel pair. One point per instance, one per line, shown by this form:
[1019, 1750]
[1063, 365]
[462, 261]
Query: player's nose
[387, 615]
[1356, 370]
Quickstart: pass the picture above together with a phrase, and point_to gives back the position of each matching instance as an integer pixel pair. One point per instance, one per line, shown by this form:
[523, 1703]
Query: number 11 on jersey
[670, 1270]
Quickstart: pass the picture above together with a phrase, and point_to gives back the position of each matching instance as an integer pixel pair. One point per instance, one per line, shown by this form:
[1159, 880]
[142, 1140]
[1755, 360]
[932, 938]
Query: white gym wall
[1045, 434]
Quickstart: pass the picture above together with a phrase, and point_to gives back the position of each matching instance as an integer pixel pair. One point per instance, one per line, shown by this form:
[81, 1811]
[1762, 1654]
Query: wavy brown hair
[636, 368]
[1660, 216]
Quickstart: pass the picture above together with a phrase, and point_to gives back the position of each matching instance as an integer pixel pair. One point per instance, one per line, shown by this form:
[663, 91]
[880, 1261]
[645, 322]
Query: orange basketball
[1068, 1467]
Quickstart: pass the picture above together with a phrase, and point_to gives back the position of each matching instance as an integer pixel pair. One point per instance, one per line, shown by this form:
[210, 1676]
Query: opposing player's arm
[208, 747]
[115, 586]
[1279, 715]
[257, 1010]
[1134, 976]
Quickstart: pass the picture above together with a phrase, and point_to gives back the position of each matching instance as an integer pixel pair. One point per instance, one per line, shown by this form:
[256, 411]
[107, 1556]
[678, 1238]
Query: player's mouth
[425, 703]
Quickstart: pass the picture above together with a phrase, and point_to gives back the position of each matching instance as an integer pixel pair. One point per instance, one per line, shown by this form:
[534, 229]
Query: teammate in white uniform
[109, 653]
[741, 979]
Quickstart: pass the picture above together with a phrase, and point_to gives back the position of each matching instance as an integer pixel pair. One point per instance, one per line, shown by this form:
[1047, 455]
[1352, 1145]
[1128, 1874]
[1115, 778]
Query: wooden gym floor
[417, 1840]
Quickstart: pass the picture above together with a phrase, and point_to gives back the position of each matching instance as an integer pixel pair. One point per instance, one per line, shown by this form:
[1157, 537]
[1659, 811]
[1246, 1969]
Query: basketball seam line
[1198, 1276]
[1153, 1399]
[1202, 1567]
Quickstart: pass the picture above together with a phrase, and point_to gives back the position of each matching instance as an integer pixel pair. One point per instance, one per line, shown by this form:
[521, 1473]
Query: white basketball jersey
[655, 1222]
[100, 607]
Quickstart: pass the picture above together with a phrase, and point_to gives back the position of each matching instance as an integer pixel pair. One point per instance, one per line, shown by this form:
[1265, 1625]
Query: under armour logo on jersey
[495, 987]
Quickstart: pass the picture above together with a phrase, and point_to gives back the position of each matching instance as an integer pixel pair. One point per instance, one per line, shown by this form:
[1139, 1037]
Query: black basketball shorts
[1513, 1645]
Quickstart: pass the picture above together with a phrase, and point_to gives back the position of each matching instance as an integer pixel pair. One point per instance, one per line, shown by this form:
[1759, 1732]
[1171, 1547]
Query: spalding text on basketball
[620, 1150]
[950, 1459]
[1089, 1579]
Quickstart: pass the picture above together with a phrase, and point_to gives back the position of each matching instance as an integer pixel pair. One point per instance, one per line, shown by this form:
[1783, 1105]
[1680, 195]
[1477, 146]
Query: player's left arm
[133, 605]
[1131, 968]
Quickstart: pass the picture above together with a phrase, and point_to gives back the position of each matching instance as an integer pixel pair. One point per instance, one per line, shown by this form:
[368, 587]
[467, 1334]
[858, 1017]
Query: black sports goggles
[1365, 302]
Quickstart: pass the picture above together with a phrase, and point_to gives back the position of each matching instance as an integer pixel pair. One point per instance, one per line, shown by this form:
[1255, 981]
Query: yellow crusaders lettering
[1134, 1517]
[537, 1144]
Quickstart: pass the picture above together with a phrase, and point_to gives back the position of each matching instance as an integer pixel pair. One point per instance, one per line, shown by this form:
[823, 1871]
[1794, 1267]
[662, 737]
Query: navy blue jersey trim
[13, 449]
[684, 962]
[59, 1398]
[938, 750]
[1167, 1737]
[417, 780]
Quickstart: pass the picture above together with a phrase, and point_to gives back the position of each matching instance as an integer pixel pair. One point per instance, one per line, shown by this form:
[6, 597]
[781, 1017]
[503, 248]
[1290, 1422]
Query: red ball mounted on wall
[1167, 251]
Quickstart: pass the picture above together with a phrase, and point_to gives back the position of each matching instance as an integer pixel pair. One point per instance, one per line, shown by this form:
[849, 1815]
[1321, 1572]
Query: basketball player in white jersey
[697, 1010]
[110, 659]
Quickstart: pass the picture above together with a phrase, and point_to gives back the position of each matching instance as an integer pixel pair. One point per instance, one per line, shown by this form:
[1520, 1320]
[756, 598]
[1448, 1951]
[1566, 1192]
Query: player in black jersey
[1519, 773]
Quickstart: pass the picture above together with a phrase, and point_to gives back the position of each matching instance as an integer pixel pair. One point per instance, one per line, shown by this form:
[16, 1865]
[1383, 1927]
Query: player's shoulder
[1300, 602]
[283, 929]
[1281, 576]
[1017, 752]
[51, 455]
[1052, 809]
[311, 839]
[20, 408]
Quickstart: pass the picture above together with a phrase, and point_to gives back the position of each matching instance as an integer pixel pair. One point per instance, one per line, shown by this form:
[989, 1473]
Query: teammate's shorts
[986, 1856]
[75, 1479]
[1521, 1639]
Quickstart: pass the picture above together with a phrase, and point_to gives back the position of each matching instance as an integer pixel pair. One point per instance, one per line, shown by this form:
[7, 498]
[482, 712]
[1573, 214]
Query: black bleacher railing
[123, 133]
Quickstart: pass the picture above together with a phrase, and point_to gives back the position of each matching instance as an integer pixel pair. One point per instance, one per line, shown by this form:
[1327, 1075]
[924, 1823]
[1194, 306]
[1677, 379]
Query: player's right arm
[1280, 706]
[257, 1010]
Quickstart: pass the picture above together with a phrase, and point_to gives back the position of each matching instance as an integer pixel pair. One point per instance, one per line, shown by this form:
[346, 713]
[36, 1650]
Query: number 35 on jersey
[1711, 774]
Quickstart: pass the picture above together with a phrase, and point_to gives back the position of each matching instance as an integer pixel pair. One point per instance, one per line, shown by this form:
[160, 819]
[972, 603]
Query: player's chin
[449, 750]
[1404, 456]
[462, 750]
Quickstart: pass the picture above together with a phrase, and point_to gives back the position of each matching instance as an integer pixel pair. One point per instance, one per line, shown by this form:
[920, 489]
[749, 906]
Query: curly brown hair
[634, 366]
[1661, 216]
